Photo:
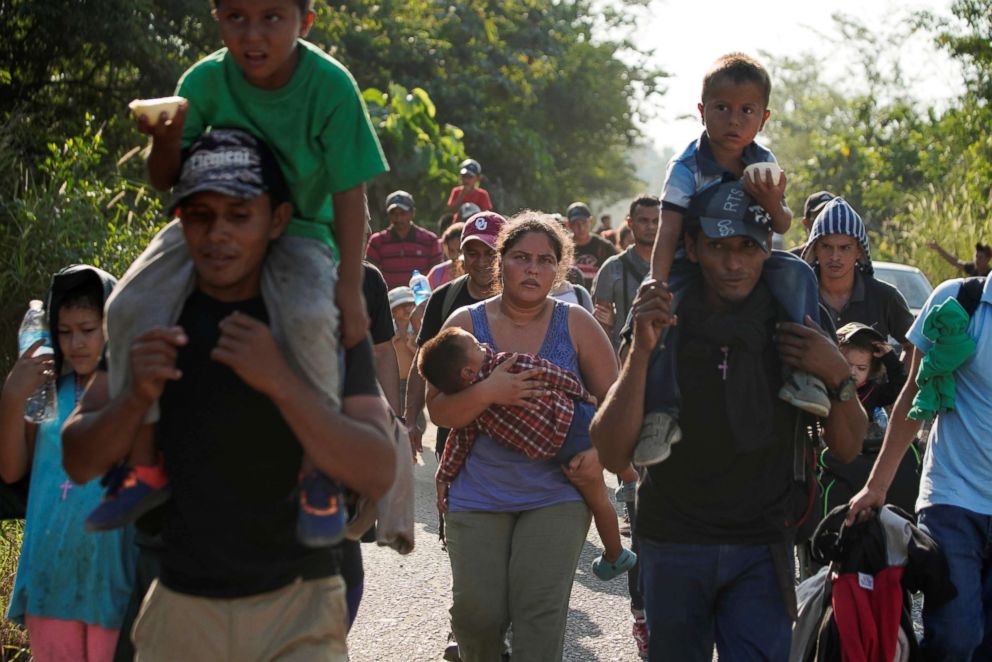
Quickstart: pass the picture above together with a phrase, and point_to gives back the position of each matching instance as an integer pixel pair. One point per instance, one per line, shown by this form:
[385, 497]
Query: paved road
[404, 614]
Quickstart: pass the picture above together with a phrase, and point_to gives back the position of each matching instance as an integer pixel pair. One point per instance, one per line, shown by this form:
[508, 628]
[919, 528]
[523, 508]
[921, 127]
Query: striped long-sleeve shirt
[537, 433]
[397, 256]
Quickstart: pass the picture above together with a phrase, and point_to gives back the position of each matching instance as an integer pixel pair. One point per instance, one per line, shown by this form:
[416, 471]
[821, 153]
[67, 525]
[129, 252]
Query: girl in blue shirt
[72, 587]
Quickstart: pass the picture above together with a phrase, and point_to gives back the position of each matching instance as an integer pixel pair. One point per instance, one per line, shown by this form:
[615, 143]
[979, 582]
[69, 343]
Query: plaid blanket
[537, 433]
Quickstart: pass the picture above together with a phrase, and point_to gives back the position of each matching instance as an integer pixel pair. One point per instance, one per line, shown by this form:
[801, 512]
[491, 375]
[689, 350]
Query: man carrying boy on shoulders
[715, 520]
[235, 420]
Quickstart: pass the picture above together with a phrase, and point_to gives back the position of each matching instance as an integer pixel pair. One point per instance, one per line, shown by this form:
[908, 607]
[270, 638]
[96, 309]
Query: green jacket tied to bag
[947, 327]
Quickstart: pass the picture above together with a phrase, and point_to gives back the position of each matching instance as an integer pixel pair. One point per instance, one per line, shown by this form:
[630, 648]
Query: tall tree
[545, 105]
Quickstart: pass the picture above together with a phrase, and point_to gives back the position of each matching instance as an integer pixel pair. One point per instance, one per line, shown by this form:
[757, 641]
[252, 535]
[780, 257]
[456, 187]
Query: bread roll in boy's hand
[152, 109]
[759, 172]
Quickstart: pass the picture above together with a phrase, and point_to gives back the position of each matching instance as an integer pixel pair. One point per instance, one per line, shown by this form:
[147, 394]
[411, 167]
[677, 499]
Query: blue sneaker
[323, 516]
[130, 492]
[607, 571]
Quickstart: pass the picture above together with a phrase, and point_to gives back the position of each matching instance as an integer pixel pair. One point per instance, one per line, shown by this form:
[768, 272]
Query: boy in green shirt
[307, 107]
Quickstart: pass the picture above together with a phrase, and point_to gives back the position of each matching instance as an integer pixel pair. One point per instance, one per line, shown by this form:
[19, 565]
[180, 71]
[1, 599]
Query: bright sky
[674, 28]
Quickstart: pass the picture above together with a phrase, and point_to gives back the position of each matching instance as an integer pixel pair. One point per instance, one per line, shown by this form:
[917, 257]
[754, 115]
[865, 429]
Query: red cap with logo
[484, 227]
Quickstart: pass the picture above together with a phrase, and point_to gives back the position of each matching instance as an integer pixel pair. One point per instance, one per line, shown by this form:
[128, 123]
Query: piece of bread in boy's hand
[152, 109]
[758, 172]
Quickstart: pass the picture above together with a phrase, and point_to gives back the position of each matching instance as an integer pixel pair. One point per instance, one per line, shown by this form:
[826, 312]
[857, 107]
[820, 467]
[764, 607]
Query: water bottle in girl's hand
[421, 287]
[41, 405]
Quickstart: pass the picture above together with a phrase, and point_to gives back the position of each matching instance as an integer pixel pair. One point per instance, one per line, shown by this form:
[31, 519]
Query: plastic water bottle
[41, 405]
[880, 418]
[421, 287]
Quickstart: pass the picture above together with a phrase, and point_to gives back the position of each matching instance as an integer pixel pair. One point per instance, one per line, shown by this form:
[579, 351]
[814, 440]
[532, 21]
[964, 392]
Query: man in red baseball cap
[478, 252]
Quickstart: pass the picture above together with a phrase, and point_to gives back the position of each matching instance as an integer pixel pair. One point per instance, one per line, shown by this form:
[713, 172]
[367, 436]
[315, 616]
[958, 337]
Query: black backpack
[970, 294]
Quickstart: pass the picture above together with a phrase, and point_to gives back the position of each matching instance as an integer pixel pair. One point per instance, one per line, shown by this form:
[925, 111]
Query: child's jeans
[793, 285]
[577, 440]
[298, 281]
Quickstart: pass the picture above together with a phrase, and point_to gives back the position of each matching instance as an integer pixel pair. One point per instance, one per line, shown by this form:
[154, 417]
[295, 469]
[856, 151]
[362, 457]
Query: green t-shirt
[316, 124]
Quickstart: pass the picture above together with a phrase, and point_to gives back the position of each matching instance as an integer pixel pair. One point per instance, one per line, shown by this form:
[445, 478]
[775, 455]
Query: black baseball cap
[578, 210]
[232, 162]
[400, 199]
[815, 204]
[726, 210]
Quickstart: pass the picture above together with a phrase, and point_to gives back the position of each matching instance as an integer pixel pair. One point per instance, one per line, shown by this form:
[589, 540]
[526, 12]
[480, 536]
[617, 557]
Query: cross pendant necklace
[79, 387]
[723, 366]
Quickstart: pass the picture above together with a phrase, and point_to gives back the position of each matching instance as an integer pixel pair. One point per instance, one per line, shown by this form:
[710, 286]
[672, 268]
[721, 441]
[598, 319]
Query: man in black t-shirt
[478, 253]
[381, 330]
[715, 520]
[235, 422]
[591, 250]
[979, 266]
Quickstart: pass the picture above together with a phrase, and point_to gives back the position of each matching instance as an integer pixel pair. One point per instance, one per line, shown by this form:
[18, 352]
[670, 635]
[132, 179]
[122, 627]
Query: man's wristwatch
[846, 390]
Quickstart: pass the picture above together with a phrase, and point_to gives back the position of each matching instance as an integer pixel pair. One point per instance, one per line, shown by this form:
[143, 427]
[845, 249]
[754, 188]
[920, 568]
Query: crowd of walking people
[231, 410]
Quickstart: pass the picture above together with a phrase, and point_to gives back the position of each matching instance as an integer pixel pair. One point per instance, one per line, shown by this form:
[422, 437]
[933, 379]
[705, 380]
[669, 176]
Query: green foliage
[968, 38]
[13, 638]
[949, 215]
[914, 175]
[423, 155]
[543, 105]
[866, 147]
[75, 206]
[61, 59]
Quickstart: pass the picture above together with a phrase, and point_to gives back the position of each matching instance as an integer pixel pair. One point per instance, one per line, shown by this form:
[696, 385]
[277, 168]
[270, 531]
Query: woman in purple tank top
[515, 526]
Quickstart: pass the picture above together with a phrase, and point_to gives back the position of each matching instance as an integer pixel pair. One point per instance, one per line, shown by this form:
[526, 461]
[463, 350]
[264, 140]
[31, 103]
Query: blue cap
[726, 210]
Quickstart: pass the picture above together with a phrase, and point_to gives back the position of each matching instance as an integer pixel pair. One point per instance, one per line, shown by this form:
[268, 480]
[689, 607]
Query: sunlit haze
[687, 36]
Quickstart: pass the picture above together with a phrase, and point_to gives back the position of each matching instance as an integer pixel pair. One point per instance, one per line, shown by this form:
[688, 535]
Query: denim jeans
[634, 588]
[961, 629]
[577, 440]
[697, 594]
[793, 285]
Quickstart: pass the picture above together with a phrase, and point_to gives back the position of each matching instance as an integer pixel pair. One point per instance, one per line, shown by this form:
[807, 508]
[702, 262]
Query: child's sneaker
[804, 391]
[626, 492]
[323, 518]
[607, 571]
[640, 632]
[130, 492]
[654, 444]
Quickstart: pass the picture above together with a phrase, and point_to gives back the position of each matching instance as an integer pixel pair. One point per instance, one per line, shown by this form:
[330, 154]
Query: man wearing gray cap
[404, 246]
[716, 520]
[591, 250]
